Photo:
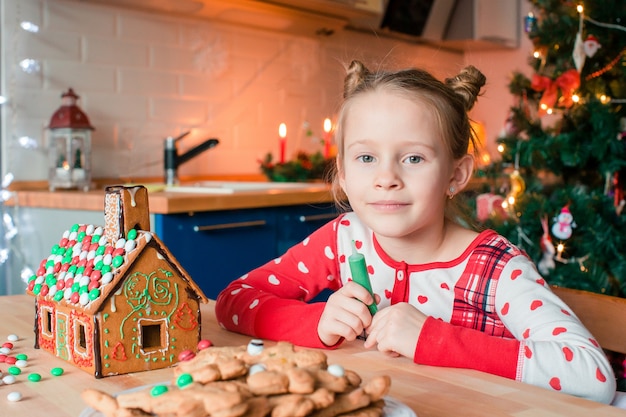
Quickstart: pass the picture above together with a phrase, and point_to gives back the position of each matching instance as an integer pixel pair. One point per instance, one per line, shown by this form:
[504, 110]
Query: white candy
[12, 338]
[84, 299]
[53, 290]
[5, 350]
[67, 293]
[255, 347]
[336, 370]
[89, 230]
[39, 280]
[21, 363]
[14, 396]
[256, 368]
[66, 234]
[91, 254]
[98, 231]
[107, 259]
[120, 243]
[84, 280]
[130, 245]
[107, 277]
[73, 235]
[8, 379]
[97, 259]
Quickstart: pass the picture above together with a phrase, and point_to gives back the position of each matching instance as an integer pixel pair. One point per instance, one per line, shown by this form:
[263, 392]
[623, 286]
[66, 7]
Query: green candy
[37, 289]
[56, 371]
[158, 390]
[94, 294]
[183, 380]
[34, 377]
[132, 234]
[32, 278]
[75, 228]
[58, 296]
[100, 250]
[118, 261]
[22, 357]
[14, 370]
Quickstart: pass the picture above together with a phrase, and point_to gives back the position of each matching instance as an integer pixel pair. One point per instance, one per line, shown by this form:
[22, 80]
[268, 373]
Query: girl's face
[395, 171]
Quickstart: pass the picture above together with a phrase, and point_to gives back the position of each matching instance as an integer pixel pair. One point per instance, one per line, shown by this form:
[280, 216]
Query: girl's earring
[451, 195]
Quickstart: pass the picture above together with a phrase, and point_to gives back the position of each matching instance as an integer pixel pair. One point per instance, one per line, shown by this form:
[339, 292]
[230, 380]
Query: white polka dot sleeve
[557, 352]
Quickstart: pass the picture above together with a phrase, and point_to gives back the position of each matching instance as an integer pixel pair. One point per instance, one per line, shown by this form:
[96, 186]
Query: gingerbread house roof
[84, 268]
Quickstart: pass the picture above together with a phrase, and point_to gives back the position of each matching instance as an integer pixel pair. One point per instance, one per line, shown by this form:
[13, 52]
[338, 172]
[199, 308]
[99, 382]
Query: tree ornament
[564, 223]
[546, 264]
[579, 53]
[529, 22]
[591, 45]
[518, 185]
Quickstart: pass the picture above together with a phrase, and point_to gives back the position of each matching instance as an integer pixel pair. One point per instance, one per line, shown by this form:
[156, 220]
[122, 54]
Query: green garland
[306, 167]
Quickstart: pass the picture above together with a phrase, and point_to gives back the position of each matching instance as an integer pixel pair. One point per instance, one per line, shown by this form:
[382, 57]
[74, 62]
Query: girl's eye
[414, 159]
[365, 158]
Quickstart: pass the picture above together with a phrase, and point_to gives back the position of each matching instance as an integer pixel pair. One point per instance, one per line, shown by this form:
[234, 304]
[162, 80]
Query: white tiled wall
[143, 76]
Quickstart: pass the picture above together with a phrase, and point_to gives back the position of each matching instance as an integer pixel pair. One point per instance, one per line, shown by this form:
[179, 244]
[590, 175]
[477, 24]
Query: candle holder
[69, 146]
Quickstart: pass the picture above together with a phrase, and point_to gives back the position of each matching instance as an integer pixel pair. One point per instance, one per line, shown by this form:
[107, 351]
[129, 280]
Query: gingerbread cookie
[252, 381]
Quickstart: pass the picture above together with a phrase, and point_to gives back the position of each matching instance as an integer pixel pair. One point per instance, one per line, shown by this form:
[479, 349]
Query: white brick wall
[143, 76]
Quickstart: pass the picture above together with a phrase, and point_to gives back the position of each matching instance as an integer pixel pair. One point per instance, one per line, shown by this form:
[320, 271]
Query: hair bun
[467, 84]
[355, 76]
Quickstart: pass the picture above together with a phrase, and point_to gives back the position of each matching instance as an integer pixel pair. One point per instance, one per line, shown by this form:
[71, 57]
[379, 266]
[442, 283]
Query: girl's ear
[463, 170]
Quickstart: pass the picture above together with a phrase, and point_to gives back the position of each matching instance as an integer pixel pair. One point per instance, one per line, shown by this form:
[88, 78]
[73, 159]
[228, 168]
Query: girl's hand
[395, 329]
[345, 315]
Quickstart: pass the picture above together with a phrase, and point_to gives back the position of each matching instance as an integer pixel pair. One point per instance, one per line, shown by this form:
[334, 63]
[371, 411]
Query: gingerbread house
[113, 299]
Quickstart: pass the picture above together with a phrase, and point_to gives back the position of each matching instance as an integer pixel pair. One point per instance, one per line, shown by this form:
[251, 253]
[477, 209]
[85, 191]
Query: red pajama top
[488, 310]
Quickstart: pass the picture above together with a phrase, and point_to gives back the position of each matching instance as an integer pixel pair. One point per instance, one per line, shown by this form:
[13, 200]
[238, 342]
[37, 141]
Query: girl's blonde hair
[449, 102]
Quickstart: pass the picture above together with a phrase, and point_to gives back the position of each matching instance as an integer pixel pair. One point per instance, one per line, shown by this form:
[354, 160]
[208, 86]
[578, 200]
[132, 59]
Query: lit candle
[327, 127]
[360, 275]
[282, 132]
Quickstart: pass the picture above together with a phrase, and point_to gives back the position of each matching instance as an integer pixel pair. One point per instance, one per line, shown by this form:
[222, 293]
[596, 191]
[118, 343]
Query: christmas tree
[558, 191]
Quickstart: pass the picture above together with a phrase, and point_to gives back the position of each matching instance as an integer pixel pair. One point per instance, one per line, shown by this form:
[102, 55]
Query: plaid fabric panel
[474, 299]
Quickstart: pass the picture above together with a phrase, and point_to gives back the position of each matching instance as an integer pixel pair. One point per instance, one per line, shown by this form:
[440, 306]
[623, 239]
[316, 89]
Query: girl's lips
[388, 204]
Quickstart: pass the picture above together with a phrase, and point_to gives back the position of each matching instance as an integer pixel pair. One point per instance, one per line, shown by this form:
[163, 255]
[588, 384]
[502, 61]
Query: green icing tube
[360, 275]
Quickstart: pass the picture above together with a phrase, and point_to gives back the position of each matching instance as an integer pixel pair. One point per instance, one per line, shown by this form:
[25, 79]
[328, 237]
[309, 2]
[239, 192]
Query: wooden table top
[429, 391]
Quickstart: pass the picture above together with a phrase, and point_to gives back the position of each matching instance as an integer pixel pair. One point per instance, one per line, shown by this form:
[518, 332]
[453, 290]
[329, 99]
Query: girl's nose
[387, 177]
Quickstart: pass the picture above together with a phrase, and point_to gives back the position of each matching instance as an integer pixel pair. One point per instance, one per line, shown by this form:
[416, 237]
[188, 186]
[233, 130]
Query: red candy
[7, 345]
[31, 285]
[44, 290]
[203, 344]
[93, 284]
[10, 360]
[3, 358]
[118, 252]
[75, 297]
[60, 284]
[57, 267]
[65, 267]
[186, 355]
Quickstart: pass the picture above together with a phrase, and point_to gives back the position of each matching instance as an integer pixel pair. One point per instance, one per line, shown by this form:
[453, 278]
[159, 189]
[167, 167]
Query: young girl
[446, 295]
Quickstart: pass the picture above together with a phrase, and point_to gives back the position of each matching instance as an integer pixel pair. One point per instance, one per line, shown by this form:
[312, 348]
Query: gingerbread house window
[152, 335]
[81, 337]
[47, 319]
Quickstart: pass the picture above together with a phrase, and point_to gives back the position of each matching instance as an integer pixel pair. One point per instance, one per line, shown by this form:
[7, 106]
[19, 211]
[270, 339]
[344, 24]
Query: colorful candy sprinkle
[255, 347]
[56, 371]
[8, 379]
[183, 380]
[158, 390]
[34, 377]
[186, 355]
[14, 370]
[203, 344]
[14, 396]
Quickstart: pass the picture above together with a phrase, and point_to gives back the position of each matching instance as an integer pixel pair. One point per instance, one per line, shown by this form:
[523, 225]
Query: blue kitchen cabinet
[216, 247]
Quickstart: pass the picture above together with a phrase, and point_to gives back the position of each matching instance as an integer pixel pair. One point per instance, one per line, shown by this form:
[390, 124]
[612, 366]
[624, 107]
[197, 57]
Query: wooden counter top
[428, 391]
[173, 202]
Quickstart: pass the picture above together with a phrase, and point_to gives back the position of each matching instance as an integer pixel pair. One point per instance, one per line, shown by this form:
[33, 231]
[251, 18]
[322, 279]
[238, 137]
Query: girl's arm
[271, 301]
[551, 349]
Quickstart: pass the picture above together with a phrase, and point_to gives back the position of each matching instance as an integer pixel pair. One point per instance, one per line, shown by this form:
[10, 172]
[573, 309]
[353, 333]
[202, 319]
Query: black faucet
[172, 160]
